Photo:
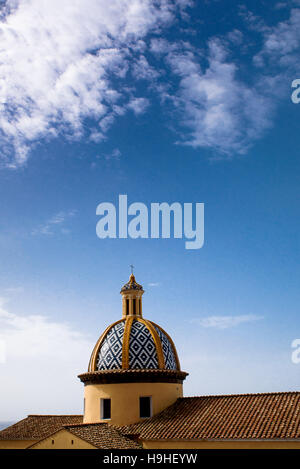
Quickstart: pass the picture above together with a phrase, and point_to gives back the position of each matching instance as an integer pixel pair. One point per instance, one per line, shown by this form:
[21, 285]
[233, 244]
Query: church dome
[134, 371]
[133, 343]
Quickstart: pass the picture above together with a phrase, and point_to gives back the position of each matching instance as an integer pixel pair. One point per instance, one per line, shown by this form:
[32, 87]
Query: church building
[133, 399]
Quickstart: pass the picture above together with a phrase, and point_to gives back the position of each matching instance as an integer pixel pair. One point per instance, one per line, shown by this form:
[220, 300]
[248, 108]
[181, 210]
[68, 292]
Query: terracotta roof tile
[241, 416]
[35, 427]
[102, 436]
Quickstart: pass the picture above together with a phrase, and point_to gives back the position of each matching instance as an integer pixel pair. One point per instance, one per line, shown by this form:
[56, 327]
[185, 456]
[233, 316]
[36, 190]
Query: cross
[132, 267]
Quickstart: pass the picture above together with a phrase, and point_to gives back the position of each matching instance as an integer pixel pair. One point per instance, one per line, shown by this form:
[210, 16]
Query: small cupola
[132, 298]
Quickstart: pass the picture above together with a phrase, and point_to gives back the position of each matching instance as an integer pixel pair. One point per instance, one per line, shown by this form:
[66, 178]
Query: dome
[134, 366]
[134, 344]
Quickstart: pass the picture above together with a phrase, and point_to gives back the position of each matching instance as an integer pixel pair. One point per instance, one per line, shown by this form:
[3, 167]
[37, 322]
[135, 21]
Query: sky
[163, 101]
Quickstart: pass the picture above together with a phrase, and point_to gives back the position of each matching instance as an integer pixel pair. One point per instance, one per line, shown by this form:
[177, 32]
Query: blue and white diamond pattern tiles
[142, 349]
[110, 354]
[170, 361]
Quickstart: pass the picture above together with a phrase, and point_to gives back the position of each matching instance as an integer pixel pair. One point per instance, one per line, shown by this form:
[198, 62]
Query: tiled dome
[135, 343]
[134, 371]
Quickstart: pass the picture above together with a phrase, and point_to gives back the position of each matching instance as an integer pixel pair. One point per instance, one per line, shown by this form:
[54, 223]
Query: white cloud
[282, 40]
[36, 336]
[42, 357]
[142, 70]
[63, 62]
[114, 155]
[96, 136]
[56, 63]
[138, 105]
[225, 322]
[219, 110]
[51, 226]
[235, 36]
[161, 46]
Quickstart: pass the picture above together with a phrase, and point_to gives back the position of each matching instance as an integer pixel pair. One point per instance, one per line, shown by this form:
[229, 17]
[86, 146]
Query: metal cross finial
[132, 267]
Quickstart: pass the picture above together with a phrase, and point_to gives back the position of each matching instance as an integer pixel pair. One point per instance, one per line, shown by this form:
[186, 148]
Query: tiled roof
[36, 427]
[242, 416]
[102, 436]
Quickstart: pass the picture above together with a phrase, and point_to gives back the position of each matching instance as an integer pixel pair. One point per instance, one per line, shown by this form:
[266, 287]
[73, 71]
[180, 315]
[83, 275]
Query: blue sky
[165, 102]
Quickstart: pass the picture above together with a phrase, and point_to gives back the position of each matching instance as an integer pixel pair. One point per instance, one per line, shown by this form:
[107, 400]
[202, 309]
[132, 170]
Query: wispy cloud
[44, 352]
[281, 44]
[153, 284]
[138, 105]
[36, 336]
[115, 154]
[218, 107]
[220, 111]
[225, 322]
[110, 157]
[55, 224]
[56, 70]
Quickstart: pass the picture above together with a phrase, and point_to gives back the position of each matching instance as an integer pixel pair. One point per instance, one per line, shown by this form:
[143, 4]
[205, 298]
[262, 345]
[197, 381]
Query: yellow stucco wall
[185, 444]
[63, 440]
[15, 444]
[125, 400]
